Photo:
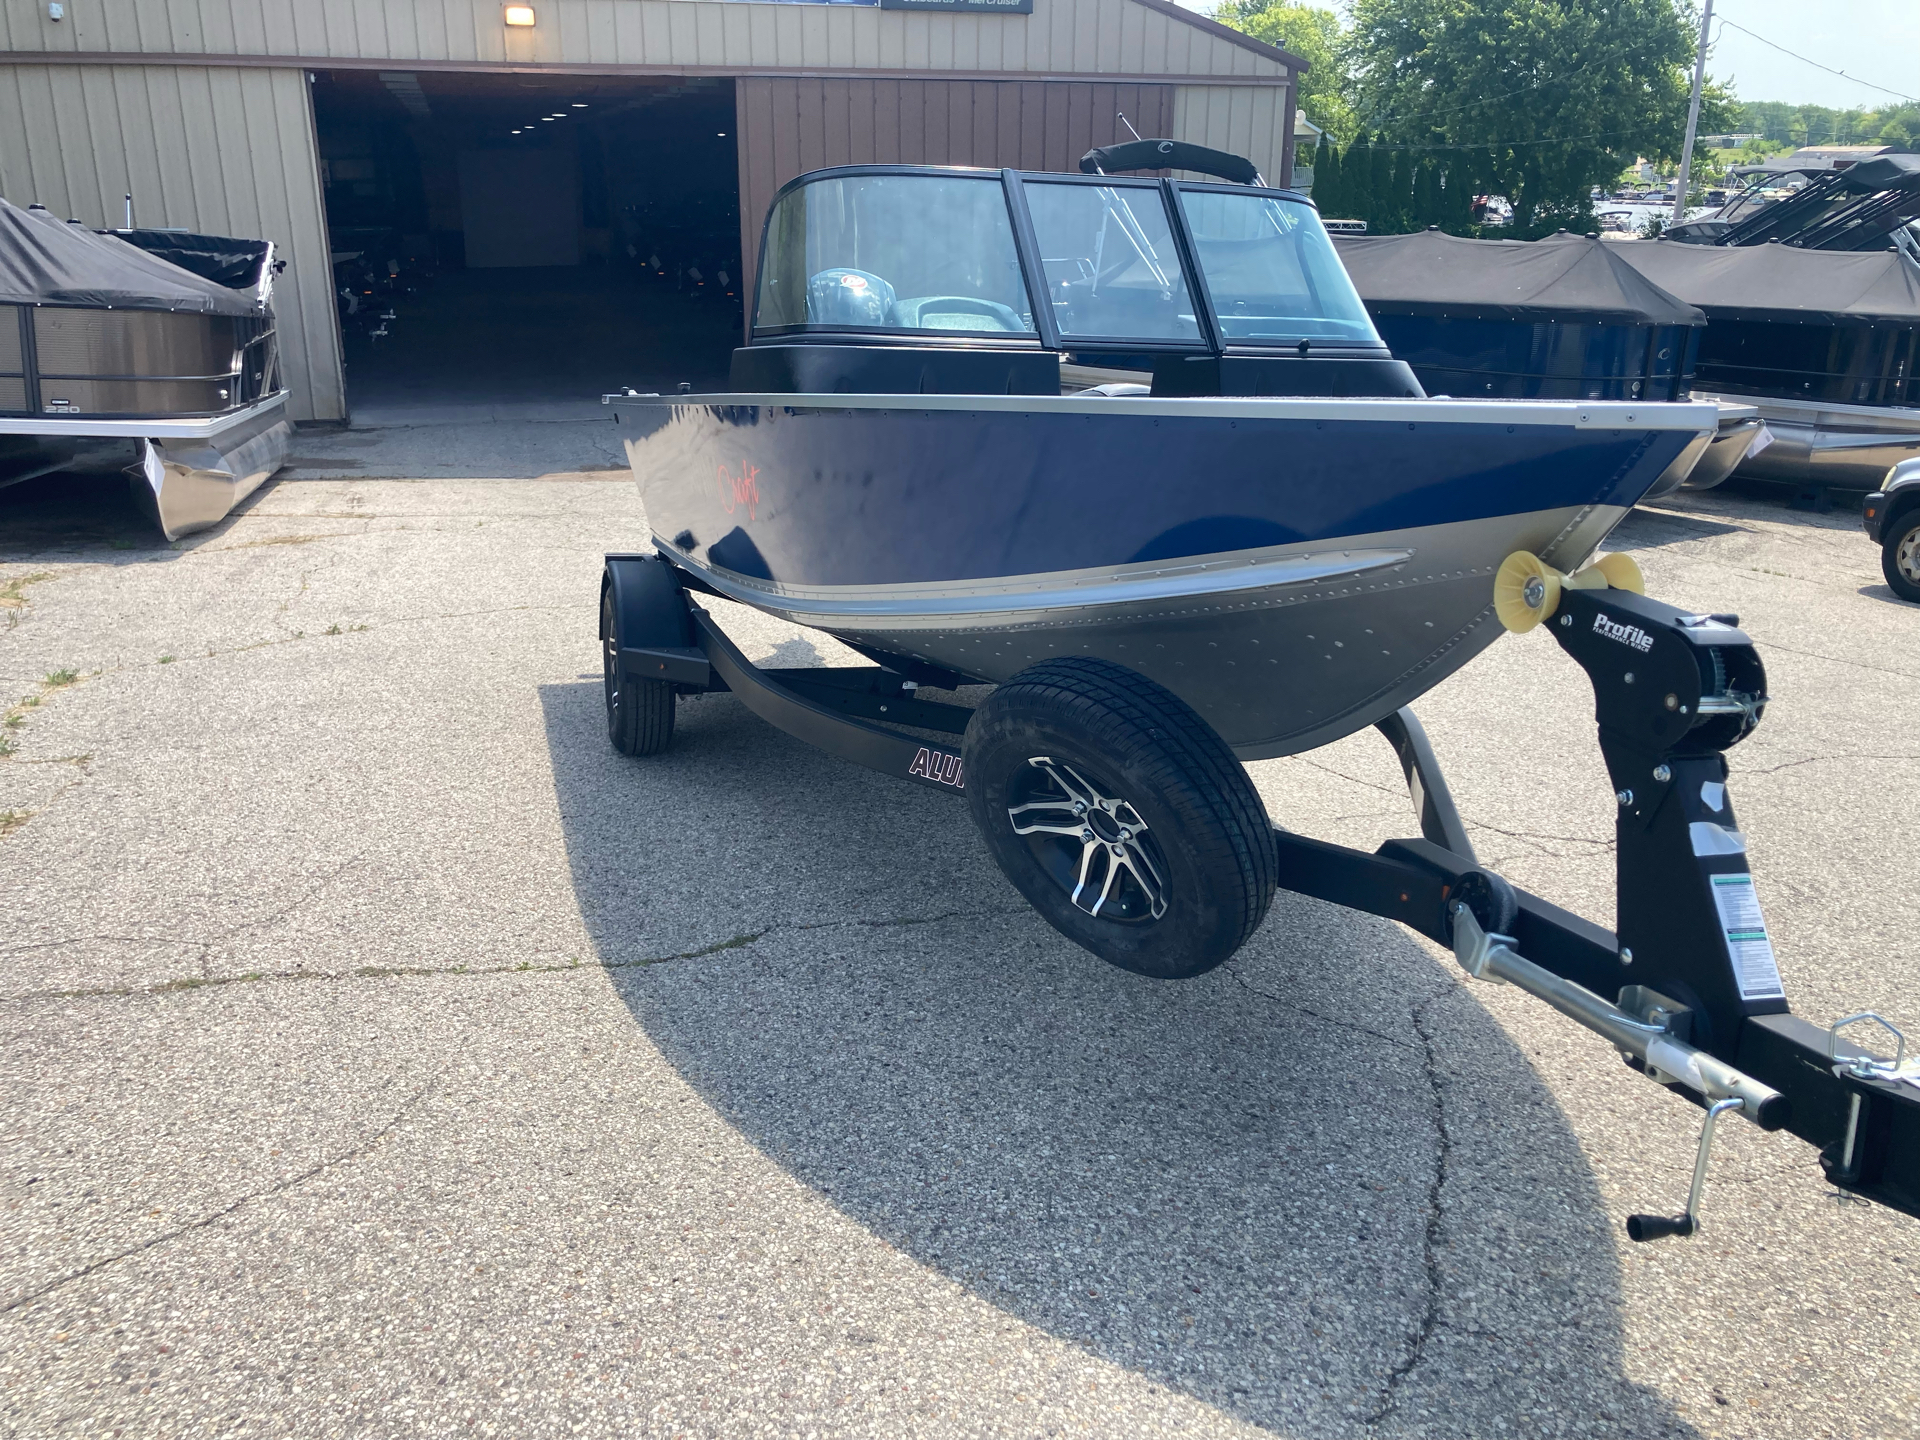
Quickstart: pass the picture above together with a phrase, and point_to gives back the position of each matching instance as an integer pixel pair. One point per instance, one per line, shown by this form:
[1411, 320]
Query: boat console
[914, 280]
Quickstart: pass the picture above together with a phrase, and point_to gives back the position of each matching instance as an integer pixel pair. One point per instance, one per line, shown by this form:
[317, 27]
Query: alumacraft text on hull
[149, 351]
[1160, 583]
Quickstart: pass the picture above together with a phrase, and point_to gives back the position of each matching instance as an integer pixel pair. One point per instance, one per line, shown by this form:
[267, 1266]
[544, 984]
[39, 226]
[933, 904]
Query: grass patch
[166, 659]
[13, 592]
[60, 679]
[12, 820]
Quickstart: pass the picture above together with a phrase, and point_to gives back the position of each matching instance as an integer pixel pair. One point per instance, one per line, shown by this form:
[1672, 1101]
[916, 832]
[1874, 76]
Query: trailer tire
[639, 712]
[1900, 555]
[1158, 787]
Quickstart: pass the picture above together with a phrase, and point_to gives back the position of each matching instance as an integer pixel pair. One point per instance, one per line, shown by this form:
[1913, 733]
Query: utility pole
[1693, 115]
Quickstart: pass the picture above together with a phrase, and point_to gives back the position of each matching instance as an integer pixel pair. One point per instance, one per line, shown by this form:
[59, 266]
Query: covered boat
[1813, 204]
[1824, 343]
[1562, 318]
[145, 350]
[1282, 530]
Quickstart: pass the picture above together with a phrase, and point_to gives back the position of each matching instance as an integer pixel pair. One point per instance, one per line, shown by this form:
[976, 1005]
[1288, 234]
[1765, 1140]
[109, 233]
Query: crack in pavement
[1429, 1318]
[279, 1187]
[394, 972]
[1268, 995]
[1837, 660]
[1533, 838]
[1819, 759]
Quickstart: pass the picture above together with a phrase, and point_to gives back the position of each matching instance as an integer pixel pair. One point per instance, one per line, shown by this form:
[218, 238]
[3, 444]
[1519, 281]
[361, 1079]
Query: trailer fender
[652, 629]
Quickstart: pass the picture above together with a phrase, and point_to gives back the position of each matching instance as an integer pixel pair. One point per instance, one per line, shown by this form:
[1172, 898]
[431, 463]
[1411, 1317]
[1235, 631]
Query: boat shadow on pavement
[1318, 1189]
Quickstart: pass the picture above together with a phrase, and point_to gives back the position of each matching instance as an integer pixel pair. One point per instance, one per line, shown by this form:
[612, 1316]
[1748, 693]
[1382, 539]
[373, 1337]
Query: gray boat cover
[47, 261]
[1782, 282]
[1565, 278]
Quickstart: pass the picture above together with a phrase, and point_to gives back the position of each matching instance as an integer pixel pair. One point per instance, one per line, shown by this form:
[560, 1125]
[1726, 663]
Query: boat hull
[1293, 570]
[1850, 447]
[186, 472]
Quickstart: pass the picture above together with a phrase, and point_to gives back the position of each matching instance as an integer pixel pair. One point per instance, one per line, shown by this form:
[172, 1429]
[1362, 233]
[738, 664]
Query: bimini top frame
[906, 255]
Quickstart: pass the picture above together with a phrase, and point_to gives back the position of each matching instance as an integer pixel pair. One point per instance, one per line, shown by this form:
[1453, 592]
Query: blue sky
[1874, 41]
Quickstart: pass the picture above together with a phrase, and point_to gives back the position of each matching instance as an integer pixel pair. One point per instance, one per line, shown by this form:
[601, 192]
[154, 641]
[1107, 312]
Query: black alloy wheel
[1900, 556]
[1121, 816]
[639, 712]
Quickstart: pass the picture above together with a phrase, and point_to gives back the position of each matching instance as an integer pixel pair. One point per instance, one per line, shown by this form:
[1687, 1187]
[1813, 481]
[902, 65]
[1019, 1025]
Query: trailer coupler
[1686, 986]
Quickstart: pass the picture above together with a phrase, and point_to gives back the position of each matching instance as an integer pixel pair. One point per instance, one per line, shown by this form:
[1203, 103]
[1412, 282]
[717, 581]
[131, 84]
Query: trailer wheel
[639, 712]
[1121, 816]
[1900, 556]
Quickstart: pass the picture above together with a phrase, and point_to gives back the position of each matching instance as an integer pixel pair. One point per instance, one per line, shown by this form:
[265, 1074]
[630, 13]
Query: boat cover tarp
[1565, 278]
[47, 261]
[219, 258]
[1782, 282]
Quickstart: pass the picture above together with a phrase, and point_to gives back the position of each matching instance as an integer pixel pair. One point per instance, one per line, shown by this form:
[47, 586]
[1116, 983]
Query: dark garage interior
[528, 240]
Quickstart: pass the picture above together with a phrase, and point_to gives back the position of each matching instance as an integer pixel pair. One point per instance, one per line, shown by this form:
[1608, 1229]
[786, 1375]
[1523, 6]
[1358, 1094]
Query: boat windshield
[1112, 270]
[1272, 273]
[894, 252]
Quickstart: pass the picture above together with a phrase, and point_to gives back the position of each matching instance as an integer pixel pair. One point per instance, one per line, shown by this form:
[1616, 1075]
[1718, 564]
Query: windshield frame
[1033, 339]
[1211, 341]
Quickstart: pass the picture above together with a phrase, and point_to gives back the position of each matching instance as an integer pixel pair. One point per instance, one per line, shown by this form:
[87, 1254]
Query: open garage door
[528, 242]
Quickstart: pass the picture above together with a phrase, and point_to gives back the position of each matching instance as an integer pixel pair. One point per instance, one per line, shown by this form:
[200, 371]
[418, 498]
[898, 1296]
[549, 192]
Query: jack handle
[1658, 1227]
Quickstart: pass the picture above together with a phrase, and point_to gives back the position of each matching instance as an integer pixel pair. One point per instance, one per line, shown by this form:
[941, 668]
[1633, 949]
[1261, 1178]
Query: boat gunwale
[1697, 415]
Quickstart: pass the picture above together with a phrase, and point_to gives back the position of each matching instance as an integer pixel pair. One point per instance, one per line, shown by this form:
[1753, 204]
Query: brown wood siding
[788, 127]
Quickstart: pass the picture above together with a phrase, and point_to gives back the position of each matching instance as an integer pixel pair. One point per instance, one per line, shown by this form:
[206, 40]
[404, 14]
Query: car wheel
[1900, 556]
[1121, 816]
[639, 712]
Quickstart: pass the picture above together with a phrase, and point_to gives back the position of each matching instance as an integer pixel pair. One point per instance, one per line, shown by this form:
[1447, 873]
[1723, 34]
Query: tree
[1314, 35]
[1326, 176]
[1426, 194]
[1380, 206]
[1399, 212]
[1560, 94]
[1356, 179]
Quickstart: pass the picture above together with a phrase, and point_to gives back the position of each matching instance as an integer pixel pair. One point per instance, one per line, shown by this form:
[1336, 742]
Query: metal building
[433, 135]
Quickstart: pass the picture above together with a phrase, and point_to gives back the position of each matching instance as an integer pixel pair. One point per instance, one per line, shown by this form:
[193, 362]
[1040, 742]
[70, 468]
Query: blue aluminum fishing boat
[1260, 510]
[1130, 451]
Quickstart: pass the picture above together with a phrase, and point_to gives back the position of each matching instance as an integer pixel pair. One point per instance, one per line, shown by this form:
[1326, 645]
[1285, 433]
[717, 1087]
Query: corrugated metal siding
[788, 127]
[223, 151]
[1107, 37]
[1242, 121]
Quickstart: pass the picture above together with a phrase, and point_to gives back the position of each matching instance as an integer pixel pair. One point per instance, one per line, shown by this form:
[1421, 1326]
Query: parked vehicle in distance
[1892, 519]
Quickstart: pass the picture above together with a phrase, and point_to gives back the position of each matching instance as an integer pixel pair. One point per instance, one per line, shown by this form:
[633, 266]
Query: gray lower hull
[1281, 650]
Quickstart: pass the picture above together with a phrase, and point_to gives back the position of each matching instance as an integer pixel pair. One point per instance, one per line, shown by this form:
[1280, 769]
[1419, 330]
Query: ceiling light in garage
[519, 15]
[579, 104]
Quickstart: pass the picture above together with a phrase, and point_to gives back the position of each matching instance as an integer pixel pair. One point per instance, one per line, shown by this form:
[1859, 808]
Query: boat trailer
[1686, 987]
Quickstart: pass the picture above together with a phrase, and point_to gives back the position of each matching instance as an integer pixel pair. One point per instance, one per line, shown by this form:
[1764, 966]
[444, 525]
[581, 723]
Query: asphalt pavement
[386, 1056]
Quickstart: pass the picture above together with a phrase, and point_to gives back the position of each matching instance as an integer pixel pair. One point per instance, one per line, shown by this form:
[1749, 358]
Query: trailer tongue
[1698, 1004]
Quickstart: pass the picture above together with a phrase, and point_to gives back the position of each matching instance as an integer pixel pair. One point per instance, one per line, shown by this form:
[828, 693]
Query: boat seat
[956, 312]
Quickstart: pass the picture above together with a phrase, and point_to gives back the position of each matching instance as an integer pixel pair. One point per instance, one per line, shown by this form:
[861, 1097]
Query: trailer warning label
[1753, 964]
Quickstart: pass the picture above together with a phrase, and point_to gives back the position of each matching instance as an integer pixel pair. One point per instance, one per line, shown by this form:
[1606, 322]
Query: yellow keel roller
[1526, 590]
